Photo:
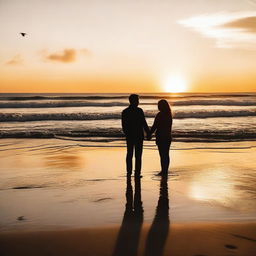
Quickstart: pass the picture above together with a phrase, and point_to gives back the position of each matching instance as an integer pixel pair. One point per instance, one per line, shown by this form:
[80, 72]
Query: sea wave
[121, 96]
[38, 98]
[60, 104]
[116, 134]
[25, 117]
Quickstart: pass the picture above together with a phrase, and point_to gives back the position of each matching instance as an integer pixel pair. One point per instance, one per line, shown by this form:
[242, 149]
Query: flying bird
[23, 34]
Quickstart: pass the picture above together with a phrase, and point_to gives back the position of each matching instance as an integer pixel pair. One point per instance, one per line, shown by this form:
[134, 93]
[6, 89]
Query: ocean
[197, 116]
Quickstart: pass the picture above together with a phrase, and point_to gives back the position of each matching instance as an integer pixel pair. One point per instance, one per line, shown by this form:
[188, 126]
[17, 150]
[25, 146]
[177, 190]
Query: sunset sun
[175, 83]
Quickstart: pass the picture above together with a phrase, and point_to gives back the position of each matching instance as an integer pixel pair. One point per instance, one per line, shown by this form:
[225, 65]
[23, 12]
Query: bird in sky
[23, 34]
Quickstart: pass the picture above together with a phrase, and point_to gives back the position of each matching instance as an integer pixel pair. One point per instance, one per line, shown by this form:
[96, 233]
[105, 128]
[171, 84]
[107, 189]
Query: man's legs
[138, 154]
[129, 155]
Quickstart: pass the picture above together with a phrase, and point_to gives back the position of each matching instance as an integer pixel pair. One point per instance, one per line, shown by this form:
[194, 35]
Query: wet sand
[63, 197]
[182, 240]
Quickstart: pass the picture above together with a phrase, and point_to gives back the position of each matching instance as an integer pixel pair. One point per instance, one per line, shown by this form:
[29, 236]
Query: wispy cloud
[231, 30]
[248, 24]
[67, 55]
[16, 60]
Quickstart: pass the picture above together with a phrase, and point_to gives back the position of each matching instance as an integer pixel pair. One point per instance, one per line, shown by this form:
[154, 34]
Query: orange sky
[127, 46]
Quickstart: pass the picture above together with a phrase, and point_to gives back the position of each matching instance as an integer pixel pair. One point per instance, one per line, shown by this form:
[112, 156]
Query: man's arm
[124, 123]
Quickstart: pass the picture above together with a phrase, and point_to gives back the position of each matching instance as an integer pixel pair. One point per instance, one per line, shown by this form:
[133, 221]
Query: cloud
[16, 60]
[67, 55]
[248, 24]
[230, 30]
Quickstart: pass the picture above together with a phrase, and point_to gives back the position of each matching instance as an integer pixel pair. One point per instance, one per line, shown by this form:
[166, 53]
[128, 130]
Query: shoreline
[206, 138]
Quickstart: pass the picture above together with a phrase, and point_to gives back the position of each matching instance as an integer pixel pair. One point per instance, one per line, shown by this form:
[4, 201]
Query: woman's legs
[163, 148]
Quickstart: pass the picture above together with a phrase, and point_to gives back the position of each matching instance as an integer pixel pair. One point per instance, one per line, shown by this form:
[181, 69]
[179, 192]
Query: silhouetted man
[134, 124]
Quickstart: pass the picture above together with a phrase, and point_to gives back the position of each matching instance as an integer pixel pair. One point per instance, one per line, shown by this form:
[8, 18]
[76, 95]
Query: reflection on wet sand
[129, 233]
[213, 184]
[223, 186]
[159, 229]
[64, 161]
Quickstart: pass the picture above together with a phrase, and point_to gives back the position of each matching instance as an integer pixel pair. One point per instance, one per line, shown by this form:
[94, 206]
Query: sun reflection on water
[213, 185]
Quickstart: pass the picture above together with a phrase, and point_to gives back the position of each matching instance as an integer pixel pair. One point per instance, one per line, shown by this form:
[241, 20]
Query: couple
[134, 124]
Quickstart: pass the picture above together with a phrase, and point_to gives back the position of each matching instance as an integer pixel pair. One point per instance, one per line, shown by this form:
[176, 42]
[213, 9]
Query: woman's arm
[153, 128]
[171, 121]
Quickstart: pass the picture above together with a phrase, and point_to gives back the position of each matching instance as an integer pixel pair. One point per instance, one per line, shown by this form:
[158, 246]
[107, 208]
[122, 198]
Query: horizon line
[125, 92]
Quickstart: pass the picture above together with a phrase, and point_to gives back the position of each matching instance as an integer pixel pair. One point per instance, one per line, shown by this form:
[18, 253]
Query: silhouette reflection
[159, 229]
[129, 233]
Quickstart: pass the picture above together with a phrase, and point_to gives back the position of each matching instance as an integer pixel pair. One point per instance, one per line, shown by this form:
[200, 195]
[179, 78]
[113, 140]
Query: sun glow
[175, 83]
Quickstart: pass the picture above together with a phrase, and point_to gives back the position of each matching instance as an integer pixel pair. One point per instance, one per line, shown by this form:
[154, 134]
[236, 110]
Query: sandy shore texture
[60, 197]
[181, 240]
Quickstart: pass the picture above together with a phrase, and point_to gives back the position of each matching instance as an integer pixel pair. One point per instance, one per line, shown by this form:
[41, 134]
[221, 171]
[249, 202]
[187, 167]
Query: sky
[126, 46]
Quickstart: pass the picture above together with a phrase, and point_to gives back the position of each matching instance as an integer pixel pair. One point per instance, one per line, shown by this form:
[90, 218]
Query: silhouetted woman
[163, 127]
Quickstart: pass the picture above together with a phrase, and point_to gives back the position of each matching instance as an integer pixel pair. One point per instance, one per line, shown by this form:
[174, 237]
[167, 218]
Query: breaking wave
[67, 103]
[26, 97]
[24, 117]
[116, 134]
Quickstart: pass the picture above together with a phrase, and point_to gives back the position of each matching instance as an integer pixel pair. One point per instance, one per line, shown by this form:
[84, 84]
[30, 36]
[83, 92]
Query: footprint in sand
[27, 187]
[102, 199]
[230, 246]
[21, 218]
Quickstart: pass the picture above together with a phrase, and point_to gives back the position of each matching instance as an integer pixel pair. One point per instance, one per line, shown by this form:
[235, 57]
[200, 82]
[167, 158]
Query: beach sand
[61, 197]
[182, 240]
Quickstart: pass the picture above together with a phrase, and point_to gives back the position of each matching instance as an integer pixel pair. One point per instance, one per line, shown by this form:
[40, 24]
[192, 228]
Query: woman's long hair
[164, 107]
